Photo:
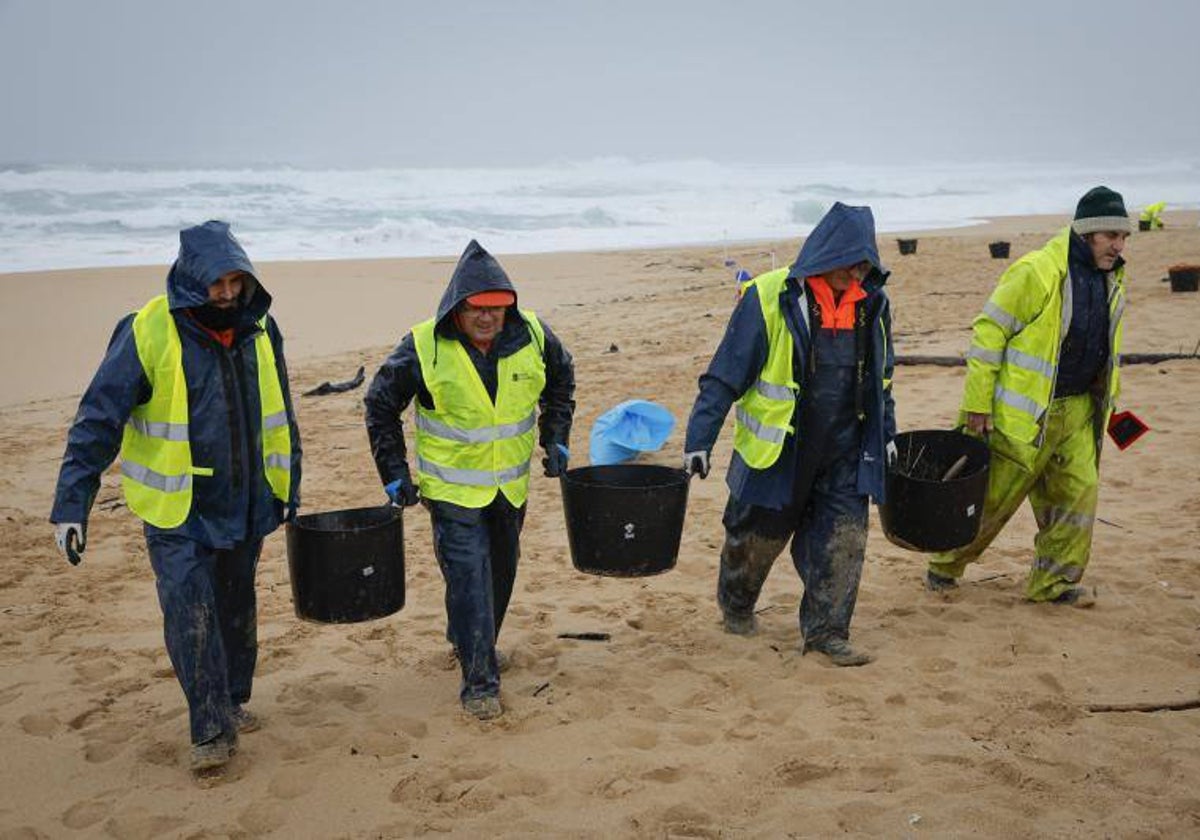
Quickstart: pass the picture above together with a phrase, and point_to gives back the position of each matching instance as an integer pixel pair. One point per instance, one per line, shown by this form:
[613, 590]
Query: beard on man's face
[218, 317]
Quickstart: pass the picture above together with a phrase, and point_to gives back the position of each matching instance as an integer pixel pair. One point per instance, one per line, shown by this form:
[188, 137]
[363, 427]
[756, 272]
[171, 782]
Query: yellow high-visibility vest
[763, 417]
[156, 456]
[469, 448]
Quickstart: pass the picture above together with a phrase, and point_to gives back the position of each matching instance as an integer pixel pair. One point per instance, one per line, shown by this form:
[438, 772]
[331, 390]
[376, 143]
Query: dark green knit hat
[1101, 209]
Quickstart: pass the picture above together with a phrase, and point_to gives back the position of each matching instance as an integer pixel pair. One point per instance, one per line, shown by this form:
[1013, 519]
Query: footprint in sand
[41, 725]
[640, 739]
[797, 773]
[87, 813]
[261, 818]
[292, 782]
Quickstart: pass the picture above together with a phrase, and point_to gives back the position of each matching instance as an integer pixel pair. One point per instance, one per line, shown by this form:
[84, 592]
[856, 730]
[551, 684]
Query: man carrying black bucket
[193, 393]
[807, 358]
[480, 371]
[1042, 380]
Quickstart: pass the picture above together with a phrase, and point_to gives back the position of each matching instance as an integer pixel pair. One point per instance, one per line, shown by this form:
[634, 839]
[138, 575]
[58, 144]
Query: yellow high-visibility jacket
[1016, 343]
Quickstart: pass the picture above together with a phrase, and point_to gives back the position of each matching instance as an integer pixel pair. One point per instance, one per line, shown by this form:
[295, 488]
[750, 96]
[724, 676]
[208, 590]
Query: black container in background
[624, 520]
[907, 246]
[1143, 224]
[347, 565]
[998, 250]
[1184, 278]
[927, 514]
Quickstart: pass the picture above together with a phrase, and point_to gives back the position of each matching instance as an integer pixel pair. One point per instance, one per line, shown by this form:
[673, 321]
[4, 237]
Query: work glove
[556, 459]
[696, 463]
[71, 538]
[402, 491]
[891, 452]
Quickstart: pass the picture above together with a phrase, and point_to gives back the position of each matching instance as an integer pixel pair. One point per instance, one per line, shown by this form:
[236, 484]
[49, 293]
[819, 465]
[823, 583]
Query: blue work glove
[402, 491]
[556, 459]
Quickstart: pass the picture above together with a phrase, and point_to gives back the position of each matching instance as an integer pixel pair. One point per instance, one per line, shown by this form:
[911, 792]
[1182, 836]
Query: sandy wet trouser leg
[1064, 500]
[462, 544]
[185, 577]
[828, 551]
[754, 537]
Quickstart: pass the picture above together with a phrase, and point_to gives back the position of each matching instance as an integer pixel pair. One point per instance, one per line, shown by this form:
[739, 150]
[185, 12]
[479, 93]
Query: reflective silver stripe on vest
[1019, 402]
[147, 476]
[991, 357]
[758, 429]
[1057, 515]
[1028, 362]
[274, 421]
[472, 478]
[280, 462]
[162, 431]
[487, 434]
[1071, 574]
[1002, 318]
[774, 392]
[1114, 321]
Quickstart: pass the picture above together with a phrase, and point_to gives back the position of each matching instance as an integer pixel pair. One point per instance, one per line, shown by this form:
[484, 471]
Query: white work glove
[891, 453]
[71, 539]
[696, 462]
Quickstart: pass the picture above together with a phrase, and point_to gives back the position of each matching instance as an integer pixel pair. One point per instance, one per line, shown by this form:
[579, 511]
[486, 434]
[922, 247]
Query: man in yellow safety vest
[488, 379]
[1043, 375]
[193, 394]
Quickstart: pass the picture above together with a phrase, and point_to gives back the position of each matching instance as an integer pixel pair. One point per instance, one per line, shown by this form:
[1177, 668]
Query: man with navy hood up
[807, 358]
[193, 395]
[488, 379]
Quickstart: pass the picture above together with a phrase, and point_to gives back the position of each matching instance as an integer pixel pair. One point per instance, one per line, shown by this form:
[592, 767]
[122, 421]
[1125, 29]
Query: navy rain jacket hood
[235, 503]
[845, 236]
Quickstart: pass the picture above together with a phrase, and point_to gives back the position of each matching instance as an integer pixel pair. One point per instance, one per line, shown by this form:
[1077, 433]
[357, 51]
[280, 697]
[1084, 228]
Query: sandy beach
[974, 719]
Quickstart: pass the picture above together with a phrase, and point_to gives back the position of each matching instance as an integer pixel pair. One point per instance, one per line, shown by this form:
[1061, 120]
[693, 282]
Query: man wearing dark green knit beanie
[1042, 381]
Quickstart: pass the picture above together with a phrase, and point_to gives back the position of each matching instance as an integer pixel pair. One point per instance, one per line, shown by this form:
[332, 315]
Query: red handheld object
[1124, 428]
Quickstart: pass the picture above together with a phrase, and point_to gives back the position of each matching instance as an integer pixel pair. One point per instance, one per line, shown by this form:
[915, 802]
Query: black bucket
[1143, 224]
[1184, 278]
[921, 511]
[907, 246]
[998, 250]
[347, 565]
[624, 520]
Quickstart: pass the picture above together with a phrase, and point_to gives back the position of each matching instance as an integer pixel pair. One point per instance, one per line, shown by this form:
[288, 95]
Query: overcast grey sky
[496, 83]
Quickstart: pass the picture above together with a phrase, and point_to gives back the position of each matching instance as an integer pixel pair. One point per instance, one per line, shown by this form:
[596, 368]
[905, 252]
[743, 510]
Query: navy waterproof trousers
[210, 623]
[826, 517]
[477, 550]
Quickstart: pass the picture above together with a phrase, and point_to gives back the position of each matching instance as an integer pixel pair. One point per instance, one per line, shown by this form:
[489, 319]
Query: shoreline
[328, 307]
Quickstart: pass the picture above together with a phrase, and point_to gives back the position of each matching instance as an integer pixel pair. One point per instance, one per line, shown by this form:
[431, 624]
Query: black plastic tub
[347, 565]
[624, 520]
[922, 512]
[1143, 224]
[998, 250]
[907, 246]
[1184, 278]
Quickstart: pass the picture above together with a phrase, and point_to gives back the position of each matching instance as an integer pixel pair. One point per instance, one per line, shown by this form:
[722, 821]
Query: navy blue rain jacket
[845, 236]
[235, 503]
[399, 380]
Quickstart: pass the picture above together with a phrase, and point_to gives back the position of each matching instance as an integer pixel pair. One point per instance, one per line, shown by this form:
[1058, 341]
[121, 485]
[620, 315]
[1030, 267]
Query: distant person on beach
[807, 358]
[1042, 380]
[480, 371]
[193, 395]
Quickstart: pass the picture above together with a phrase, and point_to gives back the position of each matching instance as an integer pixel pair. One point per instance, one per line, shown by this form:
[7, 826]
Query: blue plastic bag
[625, 430]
